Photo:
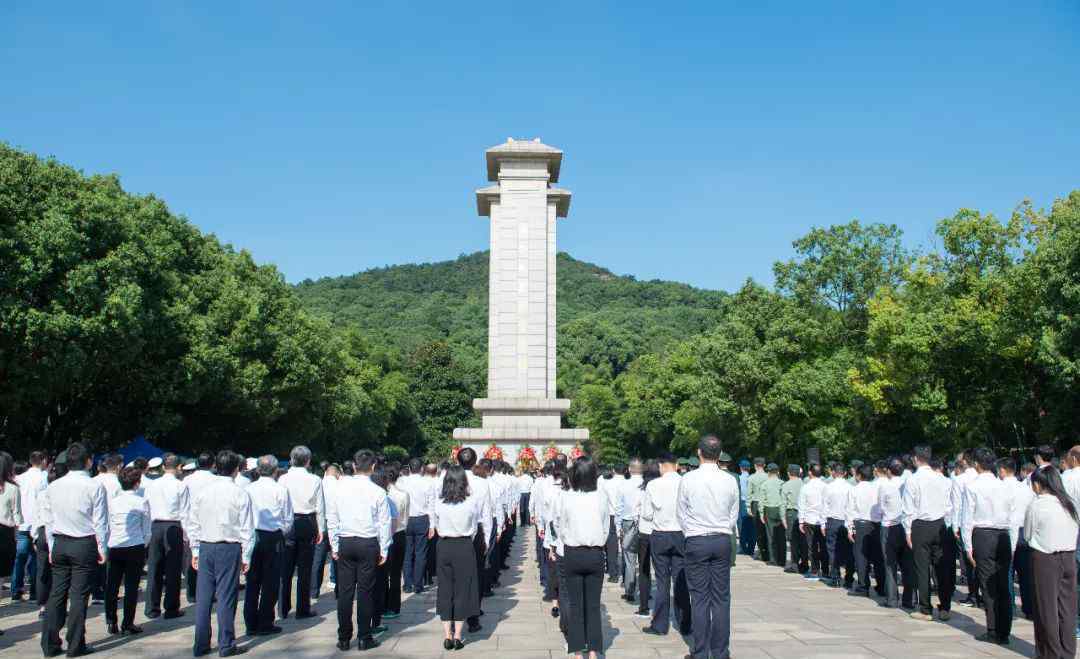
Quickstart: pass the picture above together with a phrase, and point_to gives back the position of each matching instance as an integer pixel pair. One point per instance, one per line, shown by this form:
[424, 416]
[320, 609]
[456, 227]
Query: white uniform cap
[154, 463]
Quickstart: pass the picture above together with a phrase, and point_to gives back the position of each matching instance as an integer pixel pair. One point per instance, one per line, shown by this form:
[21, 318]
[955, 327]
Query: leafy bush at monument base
[119, 318]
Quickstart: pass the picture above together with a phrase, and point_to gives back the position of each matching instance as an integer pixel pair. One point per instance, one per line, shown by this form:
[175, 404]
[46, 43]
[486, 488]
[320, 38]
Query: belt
[305, 514]
[73, 537]
[166, 521]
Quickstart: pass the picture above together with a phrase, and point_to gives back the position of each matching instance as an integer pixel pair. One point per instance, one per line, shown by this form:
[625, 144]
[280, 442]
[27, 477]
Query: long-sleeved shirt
[129, 520]
[361, 509]
[551, 507]
[890, 501]
[306, 491]
[629, 492]
[422, 493]
[610, 487]
[10, 506]
[32, 483]
[789, 495]
[835, 499]
[660, 501]
[863, 504]
[1022, 496]
[583, 518]
[707, 502]
[480, 487]
[111, 483]
[168, 498]
[770, 492]
[959, 482]
[401, 502]
[222, 512]
[812, 502]
[75, 506]
[1070, 478]
[987, 504]
[926, 497]
[1048, 527]
[754, 482]
[271, 505]
[525, 483]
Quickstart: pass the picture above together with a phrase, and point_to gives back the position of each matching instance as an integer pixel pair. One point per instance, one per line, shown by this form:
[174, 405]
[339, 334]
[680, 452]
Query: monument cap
[532, 149]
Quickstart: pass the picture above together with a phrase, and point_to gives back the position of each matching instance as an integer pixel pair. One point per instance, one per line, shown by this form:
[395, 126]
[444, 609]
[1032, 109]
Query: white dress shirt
[610, 486]
[583, 518]
[498, 499]
[863, 504]
[1070, 478]
[422, 494]
[525, 483]
[660, 502]
[835, 499]
[111, 483]
[271, 505]
[76, 506]
[629, 492]
[456, 520]
[222, 512]
[129, 520]
[926, 497]
[480, 488]
[401, 502]
[10, 506]
[960, 481]
[168, 498]
[360, 509]
[890, 500]
[551, 506]
[987, 504]
[1048, 527]
[708, 501]
[536, 501]
[1022, 496]
[812, 502]
[32, 483]
[306, 491]
[242, 481]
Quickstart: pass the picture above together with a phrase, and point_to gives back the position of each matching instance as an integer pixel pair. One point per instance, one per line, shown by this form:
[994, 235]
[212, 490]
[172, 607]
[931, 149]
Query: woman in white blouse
[455, 518]
[10, 514]
[649, 473]
[129, 533]
[1050, 528]
[582, 523]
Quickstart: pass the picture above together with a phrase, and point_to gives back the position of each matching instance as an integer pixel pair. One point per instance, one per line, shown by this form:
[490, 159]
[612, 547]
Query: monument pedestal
[513, 423]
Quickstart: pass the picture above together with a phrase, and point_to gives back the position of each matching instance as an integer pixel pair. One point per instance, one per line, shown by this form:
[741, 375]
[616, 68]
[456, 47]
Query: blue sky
[700, 138]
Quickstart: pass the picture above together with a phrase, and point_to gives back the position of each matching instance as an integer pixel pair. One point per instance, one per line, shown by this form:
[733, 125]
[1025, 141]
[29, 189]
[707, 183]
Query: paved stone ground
[776, 615]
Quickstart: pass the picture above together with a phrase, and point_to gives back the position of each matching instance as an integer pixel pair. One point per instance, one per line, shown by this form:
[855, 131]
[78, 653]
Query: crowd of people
[669, 530]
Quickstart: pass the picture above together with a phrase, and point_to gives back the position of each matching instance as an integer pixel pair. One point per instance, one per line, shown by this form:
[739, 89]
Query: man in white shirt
[927, 502]
[987, 516]
[628, 491]
[837, 541]
[490, 574]
[75, 513]
[609, 483]
[32, 484]
[1022, 495]
[894, 545]
[111, 463]
[273, 514]
[864, 530]
[358, 521]
[812, 521]
[201, 477]
[668, 546]
[222, 534]
[707, 510]
[421, 491]
[525, 485]
[309, 520]
[330, 478]
[965, 473]
[168, 499]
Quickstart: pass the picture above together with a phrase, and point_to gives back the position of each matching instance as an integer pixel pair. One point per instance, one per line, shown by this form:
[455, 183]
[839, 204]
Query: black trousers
[480, 556]
[379, 595]
[644, 561]
[761, 537]
[125, 565]
[166, 554]
[44, 569]
[868, 553]
[1054, 576]
[797, 544]
[708, 574]
[394, 564]
[993, 556]
[263, 581]
[1022, 567]
[458, 596]
[840, 553]
[74, 568]
[357, 561]
[415, 556]
[932, 549]
[897, 556]
[299, 557]
[819, 555]
[583, 571]
[668, 558]
[523, 510]
[614, 559]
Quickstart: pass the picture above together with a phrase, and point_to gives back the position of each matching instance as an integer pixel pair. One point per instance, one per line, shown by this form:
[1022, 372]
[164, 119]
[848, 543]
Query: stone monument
[523, 205]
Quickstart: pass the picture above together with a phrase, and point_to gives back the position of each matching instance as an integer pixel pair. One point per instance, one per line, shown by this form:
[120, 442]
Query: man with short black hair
[421, 493]
[927, 501]
[32, 484]
[789, 513]
[169, 500]
[668, 546]
[986, 514]
[196, 481]
[754, 483]
[811, 505]
[894, 548]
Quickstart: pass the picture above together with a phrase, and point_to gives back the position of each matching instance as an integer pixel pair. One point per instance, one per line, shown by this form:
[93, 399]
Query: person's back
[708, 502]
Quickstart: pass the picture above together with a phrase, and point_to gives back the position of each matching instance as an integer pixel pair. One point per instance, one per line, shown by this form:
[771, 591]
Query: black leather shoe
[234, 650]
[652, 631]
[82, 653]
[458, 644]
[988, 638]
[475, 627]
[367, 644]
[153, 614]
[554, 612]
[343, 645]
[274, 629]
[131, 630]
[302, 616]
[448, 644]
[113, 628]
[170, 615]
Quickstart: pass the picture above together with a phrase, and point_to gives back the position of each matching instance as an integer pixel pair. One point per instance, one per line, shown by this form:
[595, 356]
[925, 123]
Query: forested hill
[601, 316]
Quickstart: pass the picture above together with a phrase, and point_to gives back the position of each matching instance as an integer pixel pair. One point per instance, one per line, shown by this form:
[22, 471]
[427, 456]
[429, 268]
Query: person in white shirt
[75, 513]
[402, 504]
[811, 507]
[272, 509]
[243, 479]
[628, 491]
[457, 519]
[129, 533]
[32, 483]
[421, 491]
[667, 548]
[222, 534]
[536, 510]
[894, 547]
[110, 467]
[927, 502]
[10, 513]
[708, 513]
[583, 526]
[168, 500]
[649, 472]
[1050, 527]
[559, 484]
[358, 521]
[525, 485]
[837, 541]
[198, 479]
[309, 512]
[987, 511]
[610, 483]
[864, 530]
[331, 475]
[1021, 494]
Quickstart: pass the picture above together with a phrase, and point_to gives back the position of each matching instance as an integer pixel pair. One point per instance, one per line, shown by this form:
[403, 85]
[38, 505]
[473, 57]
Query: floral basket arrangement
[550, 452]
[493, 452]
[577, 452]
[453, 453]
[526, 460]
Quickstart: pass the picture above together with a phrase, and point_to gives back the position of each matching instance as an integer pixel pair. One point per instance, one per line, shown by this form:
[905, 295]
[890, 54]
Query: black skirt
[7, 550]
[458, 595]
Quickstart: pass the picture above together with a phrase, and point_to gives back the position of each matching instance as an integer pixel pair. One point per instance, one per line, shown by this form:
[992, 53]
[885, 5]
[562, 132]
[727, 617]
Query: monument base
[511, 440]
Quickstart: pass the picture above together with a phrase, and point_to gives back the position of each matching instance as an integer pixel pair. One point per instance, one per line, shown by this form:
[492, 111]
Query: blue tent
[139, 447]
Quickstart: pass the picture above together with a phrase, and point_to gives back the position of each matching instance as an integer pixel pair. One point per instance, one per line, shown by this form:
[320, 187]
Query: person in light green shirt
[773, 519]
[753, 486]
[789, 511]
